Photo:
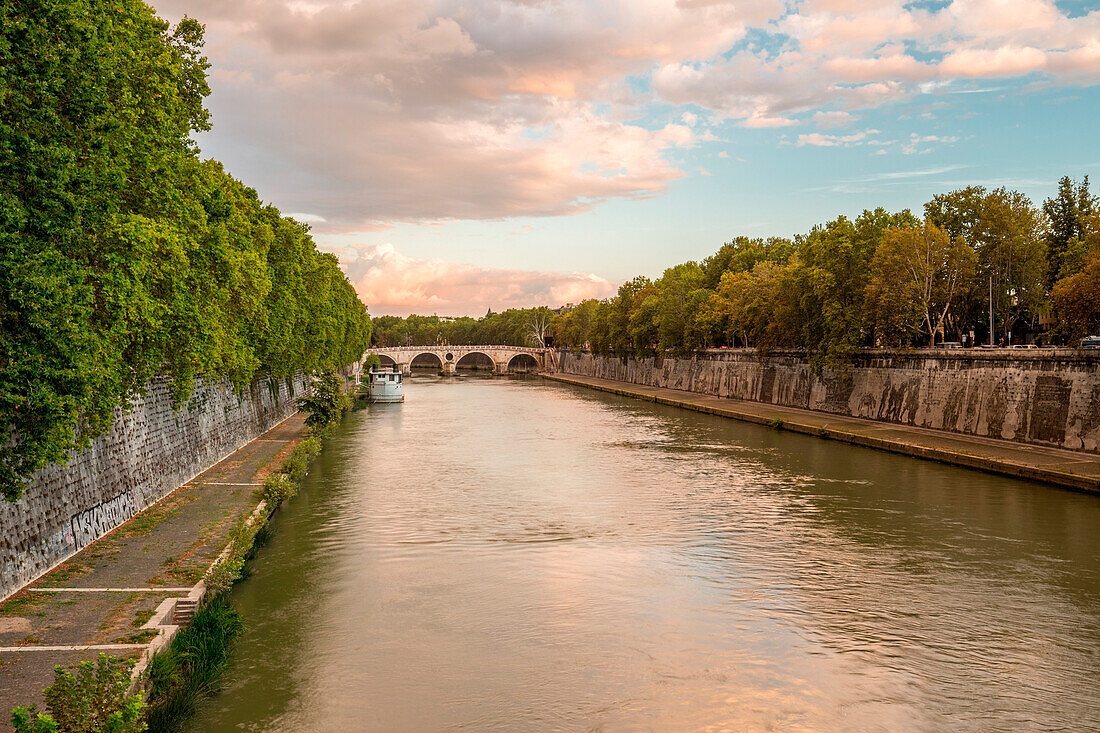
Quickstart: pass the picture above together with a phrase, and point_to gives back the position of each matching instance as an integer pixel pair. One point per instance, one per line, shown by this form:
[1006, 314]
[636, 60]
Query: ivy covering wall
[123, 254]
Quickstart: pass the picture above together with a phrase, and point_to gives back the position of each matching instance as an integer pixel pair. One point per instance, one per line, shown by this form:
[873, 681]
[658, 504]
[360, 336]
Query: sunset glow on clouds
[380, 113]
[395, 284]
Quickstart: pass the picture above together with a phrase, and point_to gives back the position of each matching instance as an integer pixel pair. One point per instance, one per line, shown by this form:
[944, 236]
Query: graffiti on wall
[93, 523]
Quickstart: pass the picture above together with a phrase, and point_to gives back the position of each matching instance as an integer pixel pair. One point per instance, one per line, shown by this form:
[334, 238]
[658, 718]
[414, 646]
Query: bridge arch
[523, 363]
[387, 362]
[426, 359]
[475, 360]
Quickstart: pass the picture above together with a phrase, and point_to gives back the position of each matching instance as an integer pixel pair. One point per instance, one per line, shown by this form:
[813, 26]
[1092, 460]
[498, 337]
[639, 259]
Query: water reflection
[512, 555]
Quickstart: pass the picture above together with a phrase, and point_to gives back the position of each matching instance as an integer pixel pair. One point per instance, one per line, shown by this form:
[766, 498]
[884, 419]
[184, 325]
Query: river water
[522, 555]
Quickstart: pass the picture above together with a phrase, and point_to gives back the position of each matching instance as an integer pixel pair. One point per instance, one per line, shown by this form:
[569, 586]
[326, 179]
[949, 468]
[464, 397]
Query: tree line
[123, 256]
[513, 327]
[882, 279]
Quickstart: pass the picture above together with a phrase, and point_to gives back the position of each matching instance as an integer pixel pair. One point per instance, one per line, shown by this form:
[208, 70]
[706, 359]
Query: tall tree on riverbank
[916, 277]
[1068, 215]
[1076, 297]
[830, 280]
[1004, 229]
[122, 255]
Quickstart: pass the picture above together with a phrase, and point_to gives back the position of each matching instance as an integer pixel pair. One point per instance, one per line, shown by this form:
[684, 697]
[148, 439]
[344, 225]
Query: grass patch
[777, 423]
[142, 637]
[22, 603]
[184, 570]
[192, 665]
[145, 522]
[69, 570]
[142, 616]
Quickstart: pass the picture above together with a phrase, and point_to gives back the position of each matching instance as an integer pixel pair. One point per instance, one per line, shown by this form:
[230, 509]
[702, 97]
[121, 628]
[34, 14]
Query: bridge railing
[474, 347]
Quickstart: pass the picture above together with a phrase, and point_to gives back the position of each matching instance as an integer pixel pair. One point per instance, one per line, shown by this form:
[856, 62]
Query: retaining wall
[1041, 397]
[150, 451]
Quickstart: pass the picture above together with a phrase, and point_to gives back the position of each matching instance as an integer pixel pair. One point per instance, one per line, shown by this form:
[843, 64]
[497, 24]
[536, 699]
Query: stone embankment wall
[150, 451]
[1041, 397]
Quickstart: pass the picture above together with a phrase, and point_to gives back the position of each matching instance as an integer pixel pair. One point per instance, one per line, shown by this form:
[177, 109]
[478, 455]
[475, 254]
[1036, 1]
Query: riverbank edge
[840, 428]
[163, 621]
[237, 550]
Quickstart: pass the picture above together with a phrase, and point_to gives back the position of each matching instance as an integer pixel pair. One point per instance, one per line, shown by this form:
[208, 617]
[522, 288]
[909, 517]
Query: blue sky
[460, 156]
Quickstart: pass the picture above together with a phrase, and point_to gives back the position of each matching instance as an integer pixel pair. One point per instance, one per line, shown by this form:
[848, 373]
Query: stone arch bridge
[505, 359]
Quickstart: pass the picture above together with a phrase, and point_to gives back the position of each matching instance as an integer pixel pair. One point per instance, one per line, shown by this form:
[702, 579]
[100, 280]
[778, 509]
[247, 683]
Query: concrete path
[98, 599]
[1068, 469]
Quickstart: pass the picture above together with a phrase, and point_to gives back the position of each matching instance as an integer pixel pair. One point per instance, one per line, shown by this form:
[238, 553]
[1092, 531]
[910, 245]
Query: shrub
[295, 467]
[278, 487]
[310, 447]
[227, 571]
[94, 700]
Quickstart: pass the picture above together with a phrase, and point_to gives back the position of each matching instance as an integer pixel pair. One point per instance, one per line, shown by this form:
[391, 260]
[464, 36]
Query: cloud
[370, 113]
[828, 141]
[999, 62]
[834, 118]
[392, 283]
[846, 55]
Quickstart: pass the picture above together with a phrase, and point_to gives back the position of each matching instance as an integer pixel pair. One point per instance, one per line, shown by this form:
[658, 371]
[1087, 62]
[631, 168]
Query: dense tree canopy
[881, 279]
[513, 327]
[122, 254]
[887, 279]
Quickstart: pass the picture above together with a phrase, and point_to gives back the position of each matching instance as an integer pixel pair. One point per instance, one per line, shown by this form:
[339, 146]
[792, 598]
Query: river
[521, 555]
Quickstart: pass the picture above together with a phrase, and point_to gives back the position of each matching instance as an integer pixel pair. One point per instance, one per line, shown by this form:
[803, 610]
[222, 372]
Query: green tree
[1076, 298]
[122, 256]
[620, 335]
[917, 274]
[1004, 229]
[326, 401]
[752, 299]
[742, 254]
[643, 326]
[1012, 253]
[830, 278]
[1068, 215]
[679, 294]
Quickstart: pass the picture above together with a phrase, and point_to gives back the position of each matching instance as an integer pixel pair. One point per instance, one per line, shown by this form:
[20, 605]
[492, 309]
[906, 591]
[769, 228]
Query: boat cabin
[384, 385]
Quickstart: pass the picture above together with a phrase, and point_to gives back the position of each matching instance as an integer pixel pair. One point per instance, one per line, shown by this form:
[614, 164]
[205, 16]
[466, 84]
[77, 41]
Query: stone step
[184, 611]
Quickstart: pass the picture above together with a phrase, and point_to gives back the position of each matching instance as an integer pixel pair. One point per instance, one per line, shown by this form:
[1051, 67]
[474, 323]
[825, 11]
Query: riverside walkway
[1068, 469]
[99, 599]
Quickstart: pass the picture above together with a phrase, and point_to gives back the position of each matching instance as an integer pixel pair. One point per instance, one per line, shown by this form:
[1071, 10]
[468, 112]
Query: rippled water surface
[523, 555]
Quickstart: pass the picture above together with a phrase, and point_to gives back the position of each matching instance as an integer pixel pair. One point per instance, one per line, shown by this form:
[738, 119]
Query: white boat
[384, 385]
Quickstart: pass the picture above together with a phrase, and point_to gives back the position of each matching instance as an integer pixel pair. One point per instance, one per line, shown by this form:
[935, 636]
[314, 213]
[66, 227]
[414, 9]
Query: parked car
[1090, 342]
[951, 345]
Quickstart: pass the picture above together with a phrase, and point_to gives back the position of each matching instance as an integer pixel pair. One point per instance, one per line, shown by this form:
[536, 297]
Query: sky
[459, 156]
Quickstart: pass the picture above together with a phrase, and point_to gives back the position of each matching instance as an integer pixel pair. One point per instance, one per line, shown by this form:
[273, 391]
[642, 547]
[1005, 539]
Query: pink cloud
[392, 283]
[1005, 61]
[893, 66]
[369, 113]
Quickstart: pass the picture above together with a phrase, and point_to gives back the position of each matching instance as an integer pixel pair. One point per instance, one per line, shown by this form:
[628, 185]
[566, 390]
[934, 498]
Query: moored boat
[384, 385]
